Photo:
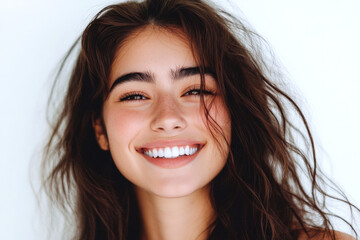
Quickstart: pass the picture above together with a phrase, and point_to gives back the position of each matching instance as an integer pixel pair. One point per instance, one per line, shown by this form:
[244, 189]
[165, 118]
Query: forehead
[152, 49]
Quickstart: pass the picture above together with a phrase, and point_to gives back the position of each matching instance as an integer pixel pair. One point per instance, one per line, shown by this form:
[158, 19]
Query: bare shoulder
[338, 235]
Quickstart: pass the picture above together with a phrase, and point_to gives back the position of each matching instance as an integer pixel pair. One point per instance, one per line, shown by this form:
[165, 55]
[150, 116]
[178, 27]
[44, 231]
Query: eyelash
[133, 96]
[139, 96]
[197, 90]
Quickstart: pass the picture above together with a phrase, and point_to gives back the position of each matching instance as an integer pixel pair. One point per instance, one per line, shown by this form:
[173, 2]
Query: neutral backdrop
[317, 42]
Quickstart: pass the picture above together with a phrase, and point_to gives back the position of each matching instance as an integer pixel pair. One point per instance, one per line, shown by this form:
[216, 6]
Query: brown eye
[133, 97]
[195, 92]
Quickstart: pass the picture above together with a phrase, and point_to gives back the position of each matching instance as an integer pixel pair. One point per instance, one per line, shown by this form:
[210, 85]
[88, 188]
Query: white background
[316, 40]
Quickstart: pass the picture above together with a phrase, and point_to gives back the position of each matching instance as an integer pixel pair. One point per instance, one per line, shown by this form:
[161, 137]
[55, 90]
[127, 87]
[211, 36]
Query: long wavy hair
[261, 193]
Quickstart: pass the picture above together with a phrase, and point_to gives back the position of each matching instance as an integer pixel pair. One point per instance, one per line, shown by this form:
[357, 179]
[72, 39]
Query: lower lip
[172, 162]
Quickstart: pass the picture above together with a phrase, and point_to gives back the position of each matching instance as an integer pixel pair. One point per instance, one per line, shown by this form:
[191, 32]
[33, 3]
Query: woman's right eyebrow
[133, 76]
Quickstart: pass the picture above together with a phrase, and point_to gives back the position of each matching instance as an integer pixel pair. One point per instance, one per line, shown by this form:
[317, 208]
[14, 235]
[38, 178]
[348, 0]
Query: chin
[175, 187]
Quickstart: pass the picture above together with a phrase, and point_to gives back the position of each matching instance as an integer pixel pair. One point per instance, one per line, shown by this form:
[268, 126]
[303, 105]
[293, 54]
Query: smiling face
[155, 125]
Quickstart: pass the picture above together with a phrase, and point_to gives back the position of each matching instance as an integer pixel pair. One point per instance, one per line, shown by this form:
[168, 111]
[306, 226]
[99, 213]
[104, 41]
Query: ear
[100, 133]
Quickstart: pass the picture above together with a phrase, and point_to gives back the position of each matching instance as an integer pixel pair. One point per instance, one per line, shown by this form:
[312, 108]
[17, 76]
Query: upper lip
[168, 143]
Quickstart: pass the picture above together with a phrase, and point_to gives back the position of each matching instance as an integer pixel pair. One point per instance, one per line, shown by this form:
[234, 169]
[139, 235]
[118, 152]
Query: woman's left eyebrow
[147, 76]
[190, 71]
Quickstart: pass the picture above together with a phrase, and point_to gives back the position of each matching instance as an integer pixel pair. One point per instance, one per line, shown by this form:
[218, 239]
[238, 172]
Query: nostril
[168, 121]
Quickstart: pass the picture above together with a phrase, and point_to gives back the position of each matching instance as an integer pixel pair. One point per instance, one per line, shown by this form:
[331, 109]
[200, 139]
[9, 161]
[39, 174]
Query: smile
[171, 152]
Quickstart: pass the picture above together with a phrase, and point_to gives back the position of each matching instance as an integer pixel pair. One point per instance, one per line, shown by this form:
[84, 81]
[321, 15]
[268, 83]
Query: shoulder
[338, 236]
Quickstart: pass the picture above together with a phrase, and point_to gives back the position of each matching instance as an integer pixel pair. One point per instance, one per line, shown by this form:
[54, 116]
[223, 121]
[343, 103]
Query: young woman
[172, 129]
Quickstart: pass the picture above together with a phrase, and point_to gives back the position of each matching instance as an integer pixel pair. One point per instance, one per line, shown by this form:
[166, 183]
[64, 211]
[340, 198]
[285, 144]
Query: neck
[186, 217]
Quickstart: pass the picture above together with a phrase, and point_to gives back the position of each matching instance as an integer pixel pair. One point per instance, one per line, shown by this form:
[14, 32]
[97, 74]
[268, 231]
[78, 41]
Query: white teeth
[182, 151]
[187, 150]
[175, 152]
[172, 152]
[167, 153]
[161, 152]
[155, 153]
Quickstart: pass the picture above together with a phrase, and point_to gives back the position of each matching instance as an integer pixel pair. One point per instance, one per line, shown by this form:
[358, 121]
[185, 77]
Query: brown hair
[259, 194]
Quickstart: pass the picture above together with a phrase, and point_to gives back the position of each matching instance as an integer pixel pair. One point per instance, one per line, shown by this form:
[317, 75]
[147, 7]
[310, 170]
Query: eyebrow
[147, 76]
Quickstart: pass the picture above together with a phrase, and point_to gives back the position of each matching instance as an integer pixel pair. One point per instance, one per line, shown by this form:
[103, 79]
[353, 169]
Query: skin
[174, 200]
[166, 111]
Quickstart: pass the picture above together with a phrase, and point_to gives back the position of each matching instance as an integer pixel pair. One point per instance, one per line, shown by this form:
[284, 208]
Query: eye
[133, 97]
[195, 92]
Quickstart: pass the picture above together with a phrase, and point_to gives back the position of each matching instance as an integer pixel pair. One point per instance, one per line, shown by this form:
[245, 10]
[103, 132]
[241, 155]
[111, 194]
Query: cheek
[218, 127]
[122, 125]
[219, 115]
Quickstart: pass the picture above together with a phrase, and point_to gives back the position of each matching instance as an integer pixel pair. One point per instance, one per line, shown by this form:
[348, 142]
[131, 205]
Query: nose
[168, 117]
